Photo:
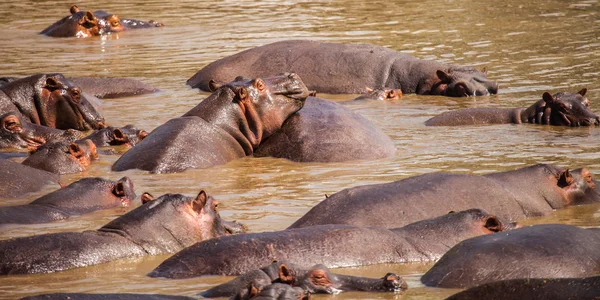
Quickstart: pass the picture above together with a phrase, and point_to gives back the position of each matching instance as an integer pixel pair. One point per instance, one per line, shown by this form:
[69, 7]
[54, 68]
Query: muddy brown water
[528, 46]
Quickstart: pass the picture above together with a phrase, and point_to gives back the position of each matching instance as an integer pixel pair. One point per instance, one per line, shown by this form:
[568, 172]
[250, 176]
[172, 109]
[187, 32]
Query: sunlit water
[528, 46]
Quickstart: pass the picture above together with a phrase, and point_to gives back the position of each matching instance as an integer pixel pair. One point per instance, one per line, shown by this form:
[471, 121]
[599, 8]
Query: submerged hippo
[18, 180]
[165, 225]
[50, 100]
[81, 24]
[80, 197]
[539, 251]
[523, 193]
[561, 109]
[534, 289]
[63, 158]
[316, 280]
[17, 134]
[347, 69]
[330, 245]
[123, 296]
[229, 124]
[127, 136]
[380, 94]
[274, 291]
[325, 131]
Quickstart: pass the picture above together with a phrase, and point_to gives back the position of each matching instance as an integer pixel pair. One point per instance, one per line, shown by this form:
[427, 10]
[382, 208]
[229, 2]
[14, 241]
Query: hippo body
[227, 125]
[347, 69]
[325, 131]
[329, 245]
[14, 133]
[80, 24]
[123, 296]
[561, 109]
[538, 251]
[528, 192]
[534, 289]
[165, 225]
[80, 197]
[105, 88]
[18, 180]
[63, 158]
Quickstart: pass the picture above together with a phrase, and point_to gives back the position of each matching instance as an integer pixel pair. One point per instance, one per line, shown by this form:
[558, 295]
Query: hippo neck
[529, 114]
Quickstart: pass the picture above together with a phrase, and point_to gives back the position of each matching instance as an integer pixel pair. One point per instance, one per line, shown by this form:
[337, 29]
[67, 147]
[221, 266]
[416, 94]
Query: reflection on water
[528, 46]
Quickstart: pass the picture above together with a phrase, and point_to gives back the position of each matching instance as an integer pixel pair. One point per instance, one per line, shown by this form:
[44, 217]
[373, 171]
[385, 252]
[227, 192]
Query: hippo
[165, 225]
[523, 193]
[83, 196]
[534, 289]
[19, 180]
[106, 88]
[50, 100]
[63, 158]
[343, 135]
[538, 251]
[316, 280]
[347, 69]
[120, 296]
[380, 94]
[113, 23]
[274, 291]
[14, 133]
[330, 245]
[127, 135]
[560, 109]
[229, 124]
[80, 24]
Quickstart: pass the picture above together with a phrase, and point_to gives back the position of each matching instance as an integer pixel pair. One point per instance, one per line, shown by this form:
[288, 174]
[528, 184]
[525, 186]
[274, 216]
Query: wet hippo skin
[127, 135]
[80, 197]
[523, 193]
[348, 69]
[63, 158]
[124, 296]
[165, 225]
[18, 180]
[228, 125]
[113, 87]
[329, 245]
[561, 109]
[17, 134]
[380, 94]
[325, 131]
[538, 251]
[274, 291]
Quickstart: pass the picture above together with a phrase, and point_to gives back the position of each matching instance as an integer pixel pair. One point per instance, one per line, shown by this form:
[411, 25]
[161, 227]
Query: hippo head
[381, 94]
[79, 24]
[63, 158]
[127, 136]
[569, 109]
[108, 22]
[170, 223]
[17, 134]
[578, 186]
[463, 82]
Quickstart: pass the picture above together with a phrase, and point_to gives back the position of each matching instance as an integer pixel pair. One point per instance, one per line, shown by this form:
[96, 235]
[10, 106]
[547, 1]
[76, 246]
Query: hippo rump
[63, 158]
[325, 131]
[16, 134]
[228, 125]
[165, 225]
[50, 100]
[330, 245]
[18, 180]
[347, 69]
[534, 289]
[380, 94]
[538, 251]
[123, 296]
[523, 193]
[316, 280]
[83, 196]
[560, 109]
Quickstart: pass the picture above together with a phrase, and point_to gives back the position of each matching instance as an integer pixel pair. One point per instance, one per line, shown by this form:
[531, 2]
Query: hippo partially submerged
[63, 158]
[347, 69]
[24, 135]
[18, 180]
[165, 225]
[380, 94]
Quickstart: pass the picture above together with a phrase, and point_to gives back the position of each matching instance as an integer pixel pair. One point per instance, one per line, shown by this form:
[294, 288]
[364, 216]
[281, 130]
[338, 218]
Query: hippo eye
[115, 23]
[76, 95]
[260, 84]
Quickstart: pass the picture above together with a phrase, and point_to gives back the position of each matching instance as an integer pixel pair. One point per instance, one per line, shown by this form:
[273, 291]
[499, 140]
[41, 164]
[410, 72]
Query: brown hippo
[274, 291]
[127, 135]
[561, 109]
[17, 134]
[63, 158]
[123, 296]
[534, 289]
[331, 245]
[315, 280]
[165, 225]
[228, 125]
[113, 23]
[538, 251]
[523, 193]
[325, 131]
[80, 24]
[380, 94]
[18, 180]
[347, 69]
[80, 197]
[50, 100]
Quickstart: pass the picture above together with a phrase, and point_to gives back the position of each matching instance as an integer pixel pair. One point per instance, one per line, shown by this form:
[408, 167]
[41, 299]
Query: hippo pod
[539, 251]
[14, 133]
[80, 197]
[228, 125]
[329, 245]
[18, 180]
[523, 193]
[560, 109]
[63, 158]
[165, 225]
[315, 280]
[348, 68]
[50, 100]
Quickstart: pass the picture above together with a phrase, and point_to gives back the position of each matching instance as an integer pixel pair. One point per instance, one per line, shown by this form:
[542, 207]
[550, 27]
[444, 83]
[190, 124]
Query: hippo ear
[285, 274]
[12, 123]
[252, 292]
[147, 197]
[493, 224]
[119, 136]
[74, 9]
[484, 71]
[51, 84]
[213, 85]
[548, 98]
[119, 189]
[312, 93]
[564, 179]
[142, 134]
[76, 151]
[582, 92]
[200, 201]
[242, 93]
[443, 76]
